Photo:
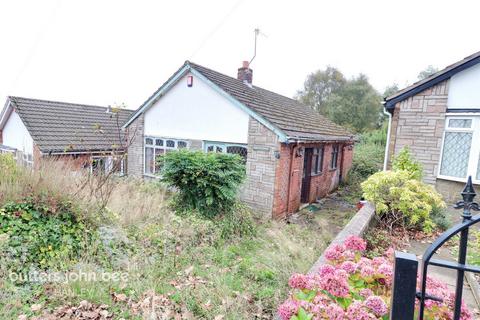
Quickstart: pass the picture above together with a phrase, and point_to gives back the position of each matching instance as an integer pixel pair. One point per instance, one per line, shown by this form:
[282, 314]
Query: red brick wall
[287, 193]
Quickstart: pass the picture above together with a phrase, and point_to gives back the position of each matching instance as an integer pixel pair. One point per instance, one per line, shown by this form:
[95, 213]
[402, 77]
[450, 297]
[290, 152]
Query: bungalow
[293, 155]
[89, 136]
[438, 118]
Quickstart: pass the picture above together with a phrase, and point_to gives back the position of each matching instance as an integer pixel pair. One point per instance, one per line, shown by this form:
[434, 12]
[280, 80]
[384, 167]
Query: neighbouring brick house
[438, 119]
[293, 155]
[85, 136]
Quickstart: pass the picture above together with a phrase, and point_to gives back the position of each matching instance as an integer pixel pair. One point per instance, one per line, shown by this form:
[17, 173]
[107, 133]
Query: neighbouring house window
[317, 160]
[460, 155]
[107, 164]
[219, 147]
[28, 159]
[155, 148]
[334, 159]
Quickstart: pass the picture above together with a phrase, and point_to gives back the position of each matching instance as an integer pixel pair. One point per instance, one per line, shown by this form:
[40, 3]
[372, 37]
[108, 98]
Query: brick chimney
[245, 73]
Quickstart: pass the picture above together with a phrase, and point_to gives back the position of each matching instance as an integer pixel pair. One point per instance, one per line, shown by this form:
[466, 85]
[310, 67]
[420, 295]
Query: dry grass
[182, 257]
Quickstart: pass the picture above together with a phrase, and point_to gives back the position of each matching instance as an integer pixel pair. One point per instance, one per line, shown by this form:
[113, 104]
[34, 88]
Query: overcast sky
[111, 52]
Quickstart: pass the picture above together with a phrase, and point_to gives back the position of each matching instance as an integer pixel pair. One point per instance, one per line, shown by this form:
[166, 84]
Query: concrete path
[448, 276]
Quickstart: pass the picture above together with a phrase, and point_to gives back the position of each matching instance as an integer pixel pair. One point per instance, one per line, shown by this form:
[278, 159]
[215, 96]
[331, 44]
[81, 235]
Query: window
[241, 150]
[334, 159]
[317, 160]
[460, 155]
[106, 164]
[27, 159]
[154, 152]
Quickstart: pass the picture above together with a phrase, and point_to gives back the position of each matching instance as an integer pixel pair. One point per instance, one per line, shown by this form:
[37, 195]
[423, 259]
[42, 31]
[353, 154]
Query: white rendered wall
[196, 112]
[464, 89]
[16, 135]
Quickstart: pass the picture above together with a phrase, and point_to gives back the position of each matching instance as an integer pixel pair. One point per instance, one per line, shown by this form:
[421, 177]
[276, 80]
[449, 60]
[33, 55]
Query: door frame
[306, 176]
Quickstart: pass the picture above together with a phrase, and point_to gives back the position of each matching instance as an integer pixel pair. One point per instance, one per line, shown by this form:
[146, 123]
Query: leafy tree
[390, 90]
[356, 105]
[353, 103]
[427, 72]
[319, 86]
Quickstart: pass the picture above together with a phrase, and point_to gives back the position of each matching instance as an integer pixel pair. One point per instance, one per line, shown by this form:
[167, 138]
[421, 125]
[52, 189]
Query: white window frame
[474, 148]
[223, 145]
[108, 164]
[154, 147]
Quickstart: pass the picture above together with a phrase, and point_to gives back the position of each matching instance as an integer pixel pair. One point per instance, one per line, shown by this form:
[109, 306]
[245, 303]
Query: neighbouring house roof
[434, 79]
[290, 119]
[60, 127]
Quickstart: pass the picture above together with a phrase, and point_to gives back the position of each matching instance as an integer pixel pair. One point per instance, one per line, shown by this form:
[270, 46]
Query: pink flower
[298, 281]
[288, 309]
[325, 270]
[387, 271]
[334, 252]
[367, 271]
[349, 266]
[379, 261]
[355, 243]
[336, 284]
[356, 311]
[365, 293]
[376, 305]
[335, 312]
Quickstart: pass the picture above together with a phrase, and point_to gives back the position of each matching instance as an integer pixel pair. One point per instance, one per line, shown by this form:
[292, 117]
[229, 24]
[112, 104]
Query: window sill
[151, 176]
[464, 180]
[332, 169]
[316, 174]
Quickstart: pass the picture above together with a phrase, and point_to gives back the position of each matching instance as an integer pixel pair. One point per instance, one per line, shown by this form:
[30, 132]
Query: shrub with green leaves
[206, 182]
[405, 161]
[401, 200]
[368, 154]
[41, 235]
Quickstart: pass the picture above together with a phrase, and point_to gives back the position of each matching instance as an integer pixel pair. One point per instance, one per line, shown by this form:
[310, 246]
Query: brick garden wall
[135, 150]
[257, 191]
[418, 122]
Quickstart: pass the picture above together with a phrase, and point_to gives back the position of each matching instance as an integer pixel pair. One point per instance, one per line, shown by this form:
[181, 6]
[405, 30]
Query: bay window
[155, 148]
[460, 156]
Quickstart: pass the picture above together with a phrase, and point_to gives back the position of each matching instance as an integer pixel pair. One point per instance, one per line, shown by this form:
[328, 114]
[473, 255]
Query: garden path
[446, 275]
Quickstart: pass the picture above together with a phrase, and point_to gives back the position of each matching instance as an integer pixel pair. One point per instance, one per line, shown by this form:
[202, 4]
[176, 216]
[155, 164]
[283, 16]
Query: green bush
[206, 182]
[41, 235]
[404, 161]
[401, 200]
[368, 154]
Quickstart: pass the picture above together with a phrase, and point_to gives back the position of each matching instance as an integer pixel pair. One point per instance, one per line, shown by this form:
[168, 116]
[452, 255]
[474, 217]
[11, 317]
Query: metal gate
[405, 274]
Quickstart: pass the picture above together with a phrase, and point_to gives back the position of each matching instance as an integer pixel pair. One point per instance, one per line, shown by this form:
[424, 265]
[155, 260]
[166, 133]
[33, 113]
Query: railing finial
[467, 203]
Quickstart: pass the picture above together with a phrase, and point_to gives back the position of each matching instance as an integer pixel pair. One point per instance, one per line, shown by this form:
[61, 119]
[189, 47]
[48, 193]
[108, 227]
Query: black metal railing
[406, 265]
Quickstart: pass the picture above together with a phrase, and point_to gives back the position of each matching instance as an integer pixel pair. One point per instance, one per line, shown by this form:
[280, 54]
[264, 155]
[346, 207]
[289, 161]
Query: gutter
[389, 115]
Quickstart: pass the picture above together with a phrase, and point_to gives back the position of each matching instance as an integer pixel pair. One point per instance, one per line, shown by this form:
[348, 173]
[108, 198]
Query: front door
[307, 175]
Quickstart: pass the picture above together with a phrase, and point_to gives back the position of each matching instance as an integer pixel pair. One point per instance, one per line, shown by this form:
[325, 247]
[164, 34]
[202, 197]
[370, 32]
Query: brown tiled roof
[289, 116]
[296, 120]
[58, 127]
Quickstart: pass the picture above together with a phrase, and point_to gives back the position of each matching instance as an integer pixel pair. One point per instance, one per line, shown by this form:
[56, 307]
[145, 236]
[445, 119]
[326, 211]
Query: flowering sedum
[352, 287]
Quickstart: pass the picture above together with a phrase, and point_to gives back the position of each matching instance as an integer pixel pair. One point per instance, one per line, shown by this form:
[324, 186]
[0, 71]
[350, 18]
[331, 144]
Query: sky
[119, 52]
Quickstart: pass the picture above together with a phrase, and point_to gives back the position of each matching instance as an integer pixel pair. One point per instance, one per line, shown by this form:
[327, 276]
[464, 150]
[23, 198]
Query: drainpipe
[389, 115]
